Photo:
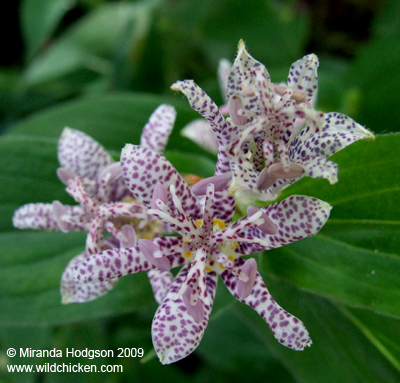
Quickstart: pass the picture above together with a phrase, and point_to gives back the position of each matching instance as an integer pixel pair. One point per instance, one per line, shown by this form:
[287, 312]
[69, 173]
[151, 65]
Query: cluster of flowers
[272, 137]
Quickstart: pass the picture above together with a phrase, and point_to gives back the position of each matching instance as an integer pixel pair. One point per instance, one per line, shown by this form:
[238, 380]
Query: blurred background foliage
[103, 67]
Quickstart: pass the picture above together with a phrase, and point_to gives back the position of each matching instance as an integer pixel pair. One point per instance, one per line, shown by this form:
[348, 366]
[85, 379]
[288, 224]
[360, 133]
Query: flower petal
[317, 167]
[72, 291]
[175, 333]
[338, 131]
[156, 132]
[143, 169]
[109, 264]
[202, 103]
[116, 262]
[81, 154]
[287, 329]
[201, 132]
[41, 216]
[246, 73]
[303, 75]
[161, 282]
[296, 217]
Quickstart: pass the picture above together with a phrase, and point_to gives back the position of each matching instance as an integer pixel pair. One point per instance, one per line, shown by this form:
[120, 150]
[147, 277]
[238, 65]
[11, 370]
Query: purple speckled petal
[202, 103]
[246, 73]
[295, 217]
[72, 291]
[156, 132]
[40, 216]
[175, 333]
[287, 329]
[81, 154]
[161, 282]
[143, 169]
[225, 131]
[201, 132]
[303, 75]
[338, 131]
[115, 262]
[318, 167]
[112, 263]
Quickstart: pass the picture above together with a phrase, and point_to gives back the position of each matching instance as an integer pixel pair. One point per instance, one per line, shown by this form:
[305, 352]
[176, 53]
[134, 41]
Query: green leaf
[375, 73]
[113, 120]
[382, 331]
[28, 174]
[30, 282]
[276, 32]
[39, 19]
[355, 259]
[339, 353]
[92, 41]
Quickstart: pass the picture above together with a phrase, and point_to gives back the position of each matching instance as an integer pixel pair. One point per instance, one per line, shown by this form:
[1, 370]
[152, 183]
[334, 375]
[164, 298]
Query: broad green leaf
[376, 77]
[355, 259]
[375, 74]
[339, 353]
[92, 41]
[39, 19]
[28, 174]
[275, 32]
[382, 331]
[30, 282]
[113, 120]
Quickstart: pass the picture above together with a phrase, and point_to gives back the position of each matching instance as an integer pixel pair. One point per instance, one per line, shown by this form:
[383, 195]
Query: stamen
[228, 264]
[148, 248]
[110, 173]
[236, 111]
[219, 182]
[244, 288]
[265, 180]
[268, 227]
[160, 193]
[59, 213]
[280, 171]
[196, 311]
[65, 175]
[129, 234]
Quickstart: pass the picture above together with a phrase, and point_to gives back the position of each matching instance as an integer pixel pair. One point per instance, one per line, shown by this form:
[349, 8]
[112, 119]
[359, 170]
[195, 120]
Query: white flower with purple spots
[266, 140]
[94, 180]
[208, 245]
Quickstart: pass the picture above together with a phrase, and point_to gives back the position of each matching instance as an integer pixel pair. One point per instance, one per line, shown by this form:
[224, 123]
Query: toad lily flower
[209, 245]
[271, 154]
[269, 146]
[94, 180]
